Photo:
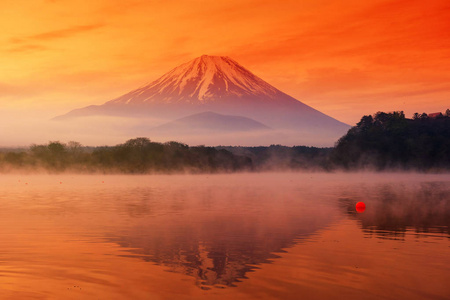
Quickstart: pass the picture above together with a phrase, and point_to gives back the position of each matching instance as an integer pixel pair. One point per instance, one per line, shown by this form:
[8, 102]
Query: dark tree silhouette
[389, 140]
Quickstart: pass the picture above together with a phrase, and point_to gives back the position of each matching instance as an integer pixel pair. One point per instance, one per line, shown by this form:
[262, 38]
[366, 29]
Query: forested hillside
[390, 141]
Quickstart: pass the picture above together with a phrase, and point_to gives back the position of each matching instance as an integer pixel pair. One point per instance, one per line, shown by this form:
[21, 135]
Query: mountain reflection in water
[115, 237]
[225, 233]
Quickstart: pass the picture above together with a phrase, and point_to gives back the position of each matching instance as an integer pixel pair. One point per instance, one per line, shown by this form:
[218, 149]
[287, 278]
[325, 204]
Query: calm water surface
[236, 236]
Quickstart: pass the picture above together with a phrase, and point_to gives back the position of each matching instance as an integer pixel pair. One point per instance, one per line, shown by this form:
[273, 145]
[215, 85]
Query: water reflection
[395, 210]
[219, 235]
[106, 237]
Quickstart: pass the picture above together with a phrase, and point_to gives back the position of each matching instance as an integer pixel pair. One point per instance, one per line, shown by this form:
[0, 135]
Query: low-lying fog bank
[142, 156]
[382, 142]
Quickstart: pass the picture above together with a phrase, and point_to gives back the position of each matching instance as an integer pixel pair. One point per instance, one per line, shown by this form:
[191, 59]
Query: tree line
[139, 155]
[392, 141]
[383, 141]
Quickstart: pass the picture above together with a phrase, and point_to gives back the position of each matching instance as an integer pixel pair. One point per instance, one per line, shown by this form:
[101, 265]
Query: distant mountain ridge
[213, 122]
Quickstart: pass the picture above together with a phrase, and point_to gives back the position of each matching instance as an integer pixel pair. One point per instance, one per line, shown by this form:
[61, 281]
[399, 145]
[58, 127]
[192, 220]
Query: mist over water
[267, 235]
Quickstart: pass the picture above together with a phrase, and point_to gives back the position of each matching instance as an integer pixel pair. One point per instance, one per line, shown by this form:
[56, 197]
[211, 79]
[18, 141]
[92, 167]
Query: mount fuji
[220, 85]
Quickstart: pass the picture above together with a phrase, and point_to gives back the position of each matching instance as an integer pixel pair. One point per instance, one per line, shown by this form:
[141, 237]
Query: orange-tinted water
[242, 236]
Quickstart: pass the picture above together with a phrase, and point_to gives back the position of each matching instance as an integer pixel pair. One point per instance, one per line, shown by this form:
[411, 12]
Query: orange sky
[345, 58]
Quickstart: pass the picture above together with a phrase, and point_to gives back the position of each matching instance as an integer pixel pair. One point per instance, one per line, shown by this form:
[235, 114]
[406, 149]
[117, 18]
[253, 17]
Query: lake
[228, 236]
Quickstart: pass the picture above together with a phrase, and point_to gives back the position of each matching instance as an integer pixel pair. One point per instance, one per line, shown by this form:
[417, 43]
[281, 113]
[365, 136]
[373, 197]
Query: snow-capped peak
[202, 80]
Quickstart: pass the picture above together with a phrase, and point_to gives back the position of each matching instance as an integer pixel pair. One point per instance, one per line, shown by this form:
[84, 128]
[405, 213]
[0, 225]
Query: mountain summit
[203, 80]
[220, 85]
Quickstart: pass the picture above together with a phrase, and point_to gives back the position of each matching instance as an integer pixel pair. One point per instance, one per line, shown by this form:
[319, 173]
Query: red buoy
[360, 207]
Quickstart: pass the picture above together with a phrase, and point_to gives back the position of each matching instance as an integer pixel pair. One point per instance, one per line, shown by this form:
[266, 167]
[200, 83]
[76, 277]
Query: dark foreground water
[237, 236]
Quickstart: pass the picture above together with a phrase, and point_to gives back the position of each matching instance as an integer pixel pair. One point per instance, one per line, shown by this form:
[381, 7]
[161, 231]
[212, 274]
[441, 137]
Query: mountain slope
[212, 122]
[215, 82]
[218, 84]
[203, 80]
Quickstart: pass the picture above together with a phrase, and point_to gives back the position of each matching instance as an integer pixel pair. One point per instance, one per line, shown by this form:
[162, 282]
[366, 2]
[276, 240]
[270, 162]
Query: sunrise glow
[346, 58]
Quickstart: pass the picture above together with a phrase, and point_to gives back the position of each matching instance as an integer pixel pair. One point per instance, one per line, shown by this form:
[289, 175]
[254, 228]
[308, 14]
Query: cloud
[63, 33]
[326, 80]
[26, 48]
[31, 43]
[412, 91]
[51, 35]
[405, 28]
[9, 90]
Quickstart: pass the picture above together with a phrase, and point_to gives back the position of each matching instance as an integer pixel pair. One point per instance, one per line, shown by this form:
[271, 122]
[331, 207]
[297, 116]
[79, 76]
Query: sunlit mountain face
[219, 85]
[206, 80]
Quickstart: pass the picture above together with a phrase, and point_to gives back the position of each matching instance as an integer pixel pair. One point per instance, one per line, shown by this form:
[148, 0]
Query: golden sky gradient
[344, 58]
